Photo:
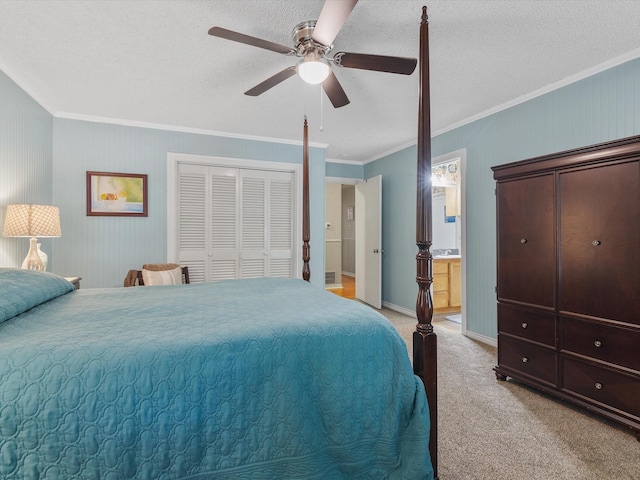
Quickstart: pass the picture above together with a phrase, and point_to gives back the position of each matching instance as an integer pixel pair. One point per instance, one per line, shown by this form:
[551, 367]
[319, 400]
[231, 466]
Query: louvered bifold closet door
[224, 248]
[281, 224]
[253, 248]
[267, 224]
[192, 220]
[235, 223]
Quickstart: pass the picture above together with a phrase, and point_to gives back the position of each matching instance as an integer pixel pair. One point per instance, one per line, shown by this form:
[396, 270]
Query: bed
[132, 383]
[243, 379]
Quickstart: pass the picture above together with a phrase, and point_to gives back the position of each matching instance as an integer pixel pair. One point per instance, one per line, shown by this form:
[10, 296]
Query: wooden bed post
[306, 271]
[425, 355]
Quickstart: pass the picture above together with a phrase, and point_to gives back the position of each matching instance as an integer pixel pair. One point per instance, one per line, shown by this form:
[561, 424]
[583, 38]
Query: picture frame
[117, 194]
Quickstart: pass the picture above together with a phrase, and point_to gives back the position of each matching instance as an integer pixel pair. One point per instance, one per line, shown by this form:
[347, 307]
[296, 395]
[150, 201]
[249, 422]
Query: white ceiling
[152, 63]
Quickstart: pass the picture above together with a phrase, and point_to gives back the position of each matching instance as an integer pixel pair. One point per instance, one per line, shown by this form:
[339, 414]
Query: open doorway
[448, 237]
[340, 239]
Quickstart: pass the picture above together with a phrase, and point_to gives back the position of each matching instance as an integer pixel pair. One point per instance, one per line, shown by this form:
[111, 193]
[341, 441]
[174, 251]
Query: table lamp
[32, 221]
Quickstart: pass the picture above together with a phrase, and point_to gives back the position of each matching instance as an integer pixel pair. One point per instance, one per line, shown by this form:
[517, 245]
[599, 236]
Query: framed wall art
[116, 194]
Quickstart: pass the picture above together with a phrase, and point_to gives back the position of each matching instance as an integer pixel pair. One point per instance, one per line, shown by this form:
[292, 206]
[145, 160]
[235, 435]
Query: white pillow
[163, 277]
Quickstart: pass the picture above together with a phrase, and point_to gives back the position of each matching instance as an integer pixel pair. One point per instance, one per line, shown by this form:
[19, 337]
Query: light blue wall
[44, 160]
[102, 249]
[398, 226]
[603, 107]
[25, 162]
[344, 170]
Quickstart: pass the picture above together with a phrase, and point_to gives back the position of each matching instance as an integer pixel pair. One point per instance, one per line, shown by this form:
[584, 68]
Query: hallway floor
[348, 289]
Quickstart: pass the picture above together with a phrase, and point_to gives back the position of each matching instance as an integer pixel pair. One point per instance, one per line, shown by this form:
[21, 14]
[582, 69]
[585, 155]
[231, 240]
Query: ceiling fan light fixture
[313, 69]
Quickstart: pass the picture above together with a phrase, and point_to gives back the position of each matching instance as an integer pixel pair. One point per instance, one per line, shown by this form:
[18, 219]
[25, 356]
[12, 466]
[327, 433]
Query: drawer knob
[524, 325]
[595, 243]
[599, 386]
[597, 343]
[523, 240]
[525, 359]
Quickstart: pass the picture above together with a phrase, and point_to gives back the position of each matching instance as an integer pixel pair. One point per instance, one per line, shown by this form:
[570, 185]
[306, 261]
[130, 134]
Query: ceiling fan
[313, 41]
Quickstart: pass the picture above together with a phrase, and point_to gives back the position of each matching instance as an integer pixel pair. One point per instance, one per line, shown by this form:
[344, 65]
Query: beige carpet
[502, 430]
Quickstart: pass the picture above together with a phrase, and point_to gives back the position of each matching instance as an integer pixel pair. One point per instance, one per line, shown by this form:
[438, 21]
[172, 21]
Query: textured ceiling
[151, 62]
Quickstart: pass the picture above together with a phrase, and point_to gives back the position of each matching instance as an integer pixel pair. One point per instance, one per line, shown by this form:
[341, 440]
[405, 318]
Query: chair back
[135, 277]
[185, 274]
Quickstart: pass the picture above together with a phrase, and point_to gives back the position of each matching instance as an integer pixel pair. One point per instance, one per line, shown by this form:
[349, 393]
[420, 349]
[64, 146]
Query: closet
[235, 222]
[568, 274]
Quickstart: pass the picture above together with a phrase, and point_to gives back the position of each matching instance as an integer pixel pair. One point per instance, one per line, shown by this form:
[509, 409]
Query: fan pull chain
[306, 94]
[321, 112]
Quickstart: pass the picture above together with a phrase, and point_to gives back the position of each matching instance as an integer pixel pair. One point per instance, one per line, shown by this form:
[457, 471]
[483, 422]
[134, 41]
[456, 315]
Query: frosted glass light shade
[313, 69]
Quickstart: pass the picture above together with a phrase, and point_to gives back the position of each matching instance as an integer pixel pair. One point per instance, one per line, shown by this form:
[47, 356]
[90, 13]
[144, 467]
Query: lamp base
[33, 260]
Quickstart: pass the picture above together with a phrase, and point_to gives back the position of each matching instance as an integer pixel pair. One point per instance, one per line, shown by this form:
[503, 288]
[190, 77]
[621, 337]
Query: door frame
[462, 155]
[341, 181]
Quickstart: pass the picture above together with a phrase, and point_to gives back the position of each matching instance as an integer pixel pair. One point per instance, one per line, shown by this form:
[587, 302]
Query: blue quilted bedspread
[245, 379]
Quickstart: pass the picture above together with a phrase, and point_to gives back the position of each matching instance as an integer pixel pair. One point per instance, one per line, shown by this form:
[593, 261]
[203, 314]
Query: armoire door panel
[600, 241]
[526, 240]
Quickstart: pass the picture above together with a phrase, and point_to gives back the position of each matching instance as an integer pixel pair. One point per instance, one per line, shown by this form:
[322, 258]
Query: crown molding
[175, 128]
[344, 161]
[25, 86]
[614, 62]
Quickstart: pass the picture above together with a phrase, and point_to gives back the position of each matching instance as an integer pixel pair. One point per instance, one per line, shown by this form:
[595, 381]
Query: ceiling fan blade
[379, 63]
[249, 40]
[334, 91]
[271, 82]
[332, 17]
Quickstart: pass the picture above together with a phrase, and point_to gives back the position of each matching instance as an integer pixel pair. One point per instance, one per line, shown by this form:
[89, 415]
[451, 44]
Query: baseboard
[406, 311]
[482, 338]
[473, 335]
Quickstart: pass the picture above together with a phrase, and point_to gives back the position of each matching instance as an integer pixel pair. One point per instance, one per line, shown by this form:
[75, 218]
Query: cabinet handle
[525, 359]
[598, 385]
[524, 325]
[597, 343]
[523, 240]
[595, 243]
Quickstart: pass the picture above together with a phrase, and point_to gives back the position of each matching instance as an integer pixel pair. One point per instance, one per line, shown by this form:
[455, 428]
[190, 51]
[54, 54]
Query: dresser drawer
[536, 326]
[610, 344]
[614, 389]
[527, 358]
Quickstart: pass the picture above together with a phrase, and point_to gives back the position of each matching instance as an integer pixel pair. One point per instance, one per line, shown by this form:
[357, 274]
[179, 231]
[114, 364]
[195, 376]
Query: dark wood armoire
[568, 276]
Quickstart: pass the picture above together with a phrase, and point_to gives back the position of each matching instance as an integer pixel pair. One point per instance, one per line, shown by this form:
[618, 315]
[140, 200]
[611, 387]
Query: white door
[369, 241]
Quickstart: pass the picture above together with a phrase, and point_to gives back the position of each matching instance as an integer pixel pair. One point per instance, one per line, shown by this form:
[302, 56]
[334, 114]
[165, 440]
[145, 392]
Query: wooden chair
[135, 277]
[185, 272]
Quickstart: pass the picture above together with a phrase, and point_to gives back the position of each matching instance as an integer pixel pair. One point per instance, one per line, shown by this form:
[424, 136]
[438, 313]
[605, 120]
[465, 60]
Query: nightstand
[75, 281]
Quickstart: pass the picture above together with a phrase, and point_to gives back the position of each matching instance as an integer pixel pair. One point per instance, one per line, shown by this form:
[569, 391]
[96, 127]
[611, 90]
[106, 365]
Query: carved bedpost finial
[306, 234]
[425, 18]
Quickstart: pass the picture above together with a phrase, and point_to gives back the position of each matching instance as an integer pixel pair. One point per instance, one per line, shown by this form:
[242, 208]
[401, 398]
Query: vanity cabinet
[568, 276]
[447, 285]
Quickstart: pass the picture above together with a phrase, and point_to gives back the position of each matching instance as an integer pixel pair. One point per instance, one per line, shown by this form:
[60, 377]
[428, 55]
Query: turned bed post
[425, 358]
[306, 271]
